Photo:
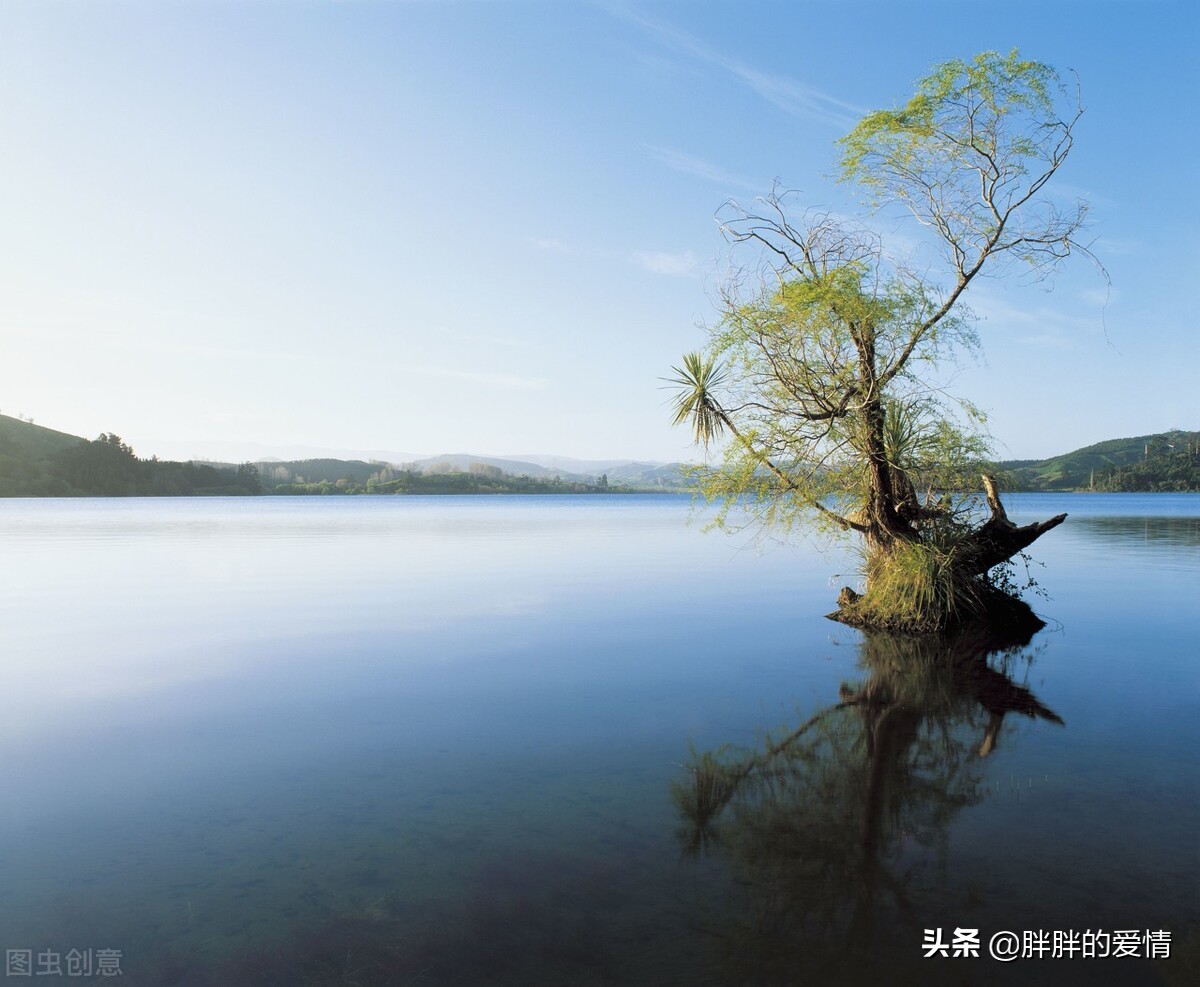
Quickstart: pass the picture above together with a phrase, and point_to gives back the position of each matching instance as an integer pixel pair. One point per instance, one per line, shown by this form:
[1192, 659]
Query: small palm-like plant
[695, 400]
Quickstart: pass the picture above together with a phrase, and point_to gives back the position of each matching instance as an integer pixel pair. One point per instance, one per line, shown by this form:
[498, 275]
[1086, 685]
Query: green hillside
[1174, 471]
[1092, 466]
[29, 456]
[40, 462]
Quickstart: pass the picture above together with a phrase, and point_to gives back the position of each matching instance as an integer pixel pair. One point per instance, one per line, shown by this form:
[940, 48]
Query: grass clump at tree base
[921, 588]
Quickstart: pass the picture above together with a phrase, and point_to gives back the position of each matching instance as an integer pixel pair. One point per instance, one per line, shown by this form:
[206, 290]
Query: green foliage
[695, 400]
[984, 135]
[353, 471]
[1173, 472]
[830, 366]
[1006, 579]
[938, 448]
[106, 467]
[793, 395]
[917, 587]
[973, 100]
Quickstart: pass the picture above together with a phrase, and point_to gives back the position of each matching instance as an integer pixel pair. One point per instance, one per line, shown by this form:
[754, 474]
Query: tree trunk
[998, 539]
[886, 525]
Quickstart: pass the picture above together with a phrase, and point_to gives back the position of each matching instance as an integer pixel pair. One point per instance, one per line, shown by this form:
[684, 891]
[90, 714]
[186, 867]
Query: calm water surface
[577, 741]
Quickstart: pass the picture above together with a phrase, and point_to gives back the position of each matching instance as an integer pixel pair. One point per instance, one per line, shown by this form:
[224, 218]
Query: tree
[104, 467]
[247, 478]
[824, 374]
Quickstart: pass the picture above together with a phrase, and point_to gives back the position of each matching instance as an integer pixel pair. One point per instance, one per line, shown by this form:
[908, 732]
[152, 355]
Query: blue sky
[489, 227]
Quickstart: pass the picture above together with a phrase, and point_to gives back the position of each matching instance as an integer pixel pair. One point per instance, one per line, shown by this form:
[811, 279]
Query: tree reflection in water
[830, 831]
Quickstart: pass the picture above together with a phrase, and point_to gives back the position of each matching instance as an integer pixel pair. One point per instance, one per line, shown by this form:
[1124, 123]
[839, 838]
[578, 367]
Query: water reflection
[832, 831]
[1165, 530]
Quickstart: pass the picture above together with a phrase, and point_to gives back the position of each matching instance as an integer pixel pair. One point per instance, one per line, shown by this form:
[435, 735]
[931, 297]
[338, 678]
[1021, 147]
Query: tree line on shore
[108, 467]
[1175, 471]
[37, 462]
[388, 480]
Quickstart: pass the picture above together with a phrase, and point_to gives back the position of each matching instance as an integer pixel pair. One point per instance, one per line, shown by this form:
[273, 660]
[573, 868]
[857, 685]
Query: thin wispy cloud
[654, 261]
[549, 244]
[789, 95]
[486, 339]
[511, 382]
[663, 262]
[1072, 193]
[1040, 327]
[124, 334]
[1099, 297]
[688, 165]
[232, 418]
[1105, 246]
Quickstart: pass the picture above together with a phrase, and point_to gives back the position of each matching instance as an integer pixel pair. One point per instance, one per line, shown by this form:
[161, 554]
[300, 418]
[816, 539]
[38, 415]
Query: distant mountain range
[1104, 465]
[619, 471]
[36, 462]
[612, 473]
[32, 460]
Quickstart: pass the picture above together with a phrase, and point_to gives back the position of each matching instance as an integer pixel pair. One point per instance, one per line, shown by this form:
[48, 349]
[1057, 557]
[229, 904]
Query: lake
[579, 740]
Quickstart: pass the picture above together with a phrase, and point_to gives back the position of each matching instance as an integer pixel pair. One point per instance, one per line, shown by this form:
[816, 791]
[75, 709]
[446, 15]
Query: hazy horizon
[248, 451]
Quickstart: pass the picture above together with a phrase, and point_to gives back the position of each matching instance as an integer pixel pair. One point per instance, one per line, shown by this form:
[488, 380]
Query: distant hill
[35, 441]
[1092, 466]
[649, 476]
[41, 462]
[653, 476]
[29, 455]
[352, 475]
[1168, 468]
[355, 471]
[246, 451]
[460, 462]
[579, 467]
